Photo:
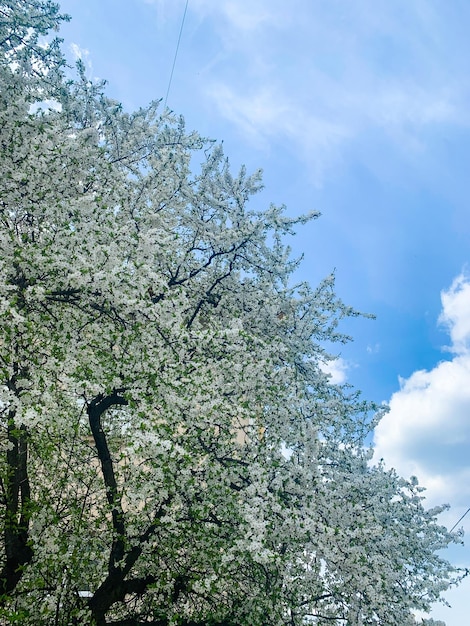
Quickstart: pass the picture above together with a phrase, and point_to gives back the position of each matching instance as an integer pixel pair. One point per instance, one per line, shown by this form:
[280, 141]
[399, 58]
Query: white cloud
[336, 369]
[427, 434]
[456, 314]
[427, 431]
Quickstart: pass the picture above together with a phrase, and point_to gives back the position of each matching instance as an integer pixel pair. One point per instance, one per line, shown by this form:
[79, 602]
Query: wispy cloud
[249, 17]
[346, 70]
[243, 16]
[78, 52]
[267, 118]
[167, 10]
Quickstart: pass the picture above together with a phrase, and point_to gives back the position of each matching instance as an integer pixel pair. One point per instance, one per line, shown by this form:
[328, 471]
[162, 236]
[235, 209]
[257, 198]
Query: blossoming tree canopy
[156, 362]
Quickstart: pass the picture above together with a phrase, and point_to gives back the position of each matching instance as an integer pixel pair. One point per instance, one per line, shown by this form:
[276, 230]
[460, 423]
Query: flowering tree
[172, 452]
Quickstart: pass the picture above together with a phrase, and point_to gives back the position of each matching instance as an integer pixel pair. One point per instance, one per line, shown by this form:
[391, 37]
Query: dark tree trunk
[17, 496]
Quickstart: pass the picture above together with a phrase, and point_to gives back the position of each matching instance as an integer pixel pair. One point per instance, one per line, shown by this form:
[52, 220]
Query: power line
[176, 53]
[458, 521]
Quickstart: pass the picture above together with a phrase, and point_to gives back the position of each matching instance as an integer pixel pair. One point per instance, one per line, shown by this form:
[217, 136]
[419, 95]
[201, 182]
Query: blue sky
[360, 110]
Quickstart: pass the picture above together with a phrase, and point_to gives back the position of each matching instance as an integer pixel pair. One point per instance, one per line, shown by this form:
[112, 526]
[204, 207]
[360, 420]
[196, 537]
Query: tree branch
[95, 409]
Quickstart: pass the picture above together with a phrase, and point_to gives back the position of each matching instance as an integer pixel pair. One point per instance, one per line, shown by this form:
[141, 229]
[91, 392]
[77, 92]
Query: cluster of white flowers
[156, 364]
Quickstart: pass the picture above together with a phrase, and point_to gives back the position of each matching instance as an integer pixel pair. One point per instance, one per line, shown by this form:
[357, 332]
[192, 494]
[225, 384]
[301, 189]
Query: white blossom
[156, 363]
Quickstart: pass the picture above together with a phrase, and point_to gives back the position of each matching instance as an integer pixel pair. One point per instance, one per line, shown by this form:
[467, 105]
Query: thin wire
[458, 521]
[176, 53]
